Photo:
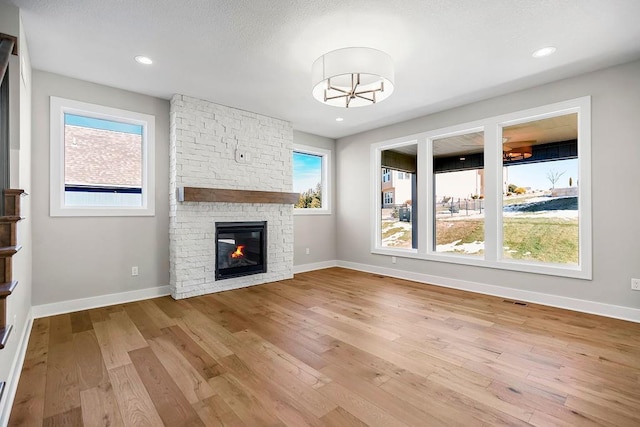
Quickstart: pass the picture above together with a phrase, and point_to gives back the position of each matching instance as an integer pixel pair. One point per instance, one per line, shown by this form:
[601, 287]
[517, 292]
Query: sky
[90, 122]
[534, 175]
[307, 171]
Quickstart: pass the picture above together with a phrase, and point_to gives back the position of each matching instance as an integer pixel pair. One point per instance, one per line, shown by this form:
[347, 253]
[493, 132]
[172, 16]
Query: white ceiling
[257, 55]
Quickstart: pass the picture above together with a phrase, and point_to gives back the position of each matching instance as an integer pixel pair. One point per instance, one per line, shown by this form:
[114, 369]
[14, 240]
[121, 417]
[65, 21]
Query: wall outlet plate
[635, 284]
[134, 270]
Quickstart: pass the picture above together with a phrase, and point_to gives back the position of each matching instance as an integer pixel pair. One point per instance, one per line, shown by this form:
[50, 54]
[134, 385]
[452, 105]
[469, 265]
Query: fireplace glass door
[241, 249]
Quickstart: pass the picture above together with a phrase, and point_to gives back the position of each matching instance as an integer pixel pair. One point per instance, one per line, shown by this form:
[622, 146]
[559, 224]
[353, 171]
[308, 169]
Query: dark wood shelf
[9, 251]
[195, 194]
[6, 289]
[5, 331]
[12, 218]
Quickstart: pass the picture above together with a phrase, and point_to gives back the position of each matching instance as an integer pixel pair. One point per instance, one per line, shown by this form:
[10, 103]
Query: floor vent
[520, 303]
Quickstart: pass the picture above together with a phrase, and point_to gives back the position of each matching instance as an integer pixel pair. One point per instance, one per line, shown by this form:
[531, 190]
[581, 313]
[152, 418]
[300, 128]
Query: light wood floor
[331, 347]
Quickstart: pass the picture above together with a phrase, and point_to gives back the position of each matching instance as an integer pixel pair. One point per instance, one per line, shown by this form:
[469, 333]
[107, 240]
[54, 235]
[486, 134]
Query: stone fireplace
[217, 148]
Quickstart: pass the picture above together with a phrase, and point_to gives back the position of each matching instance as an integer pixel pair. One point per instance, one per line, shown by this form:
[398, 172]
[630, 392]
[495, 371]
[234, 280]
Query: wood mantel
[195, 194]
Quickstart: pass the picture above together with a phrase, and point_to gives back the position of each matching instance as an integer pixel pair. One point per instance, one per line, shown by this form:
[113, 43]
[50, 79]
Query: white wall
[615, 173]
[86, 257]
[316, 232]
[18, 303]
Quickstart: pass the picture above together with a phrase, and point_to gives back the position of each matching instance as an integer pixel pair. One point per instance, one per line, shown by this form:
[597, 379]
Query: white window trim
[326, 180]
[493, 176]
[60, 106]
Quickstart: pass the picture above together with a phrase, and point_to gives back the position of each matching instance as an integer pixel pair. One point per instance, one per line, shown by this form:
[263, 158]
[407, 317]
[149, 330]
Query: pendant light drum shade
[352, 77]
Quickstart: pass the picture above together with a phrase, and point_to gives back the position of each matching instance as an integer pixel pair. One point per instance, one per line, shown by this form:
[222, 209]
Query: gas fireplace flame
[238, 252]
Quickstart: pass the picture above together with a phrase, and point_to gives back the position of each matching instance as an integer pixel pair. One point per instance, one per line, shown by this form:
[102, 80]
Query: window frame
[492, 128]
[326, 179]
[57, 206]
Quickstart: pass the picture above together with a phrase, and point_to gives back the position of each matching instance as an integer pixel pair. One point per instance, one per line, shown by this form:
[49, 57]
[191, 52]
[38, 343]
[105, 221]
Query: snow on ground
[396, 238]
[467, 248]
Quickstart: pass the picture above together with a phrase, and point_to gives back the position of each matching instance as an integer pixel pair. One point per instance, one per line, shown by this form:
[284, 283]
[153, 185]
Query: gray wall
[316, 232]
[615, 96]
[81, 257]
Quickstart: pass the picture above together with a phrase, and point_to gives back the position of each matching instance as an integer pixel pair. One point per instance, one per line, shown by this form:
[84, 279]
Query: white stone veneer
[204, 139]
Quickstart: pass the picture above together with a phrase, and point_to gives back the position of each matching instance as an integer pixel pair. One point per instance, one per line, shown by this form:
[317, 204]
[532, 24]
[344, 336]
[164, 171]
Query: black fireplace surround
[241, 249]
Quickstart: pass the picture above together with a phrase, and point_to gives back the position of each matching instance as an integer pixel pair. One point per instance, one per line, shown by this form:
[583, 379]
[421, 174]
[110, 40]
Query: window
[398, 208]
[458, 177]
[311, 180]
[509, 192]
[388, 197]
[102, 161]
[540, 214]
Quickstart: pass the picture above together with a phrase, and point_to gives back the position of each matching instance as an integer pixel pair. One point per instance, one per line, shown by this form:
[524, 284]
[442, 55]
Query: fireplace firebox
[241, 249]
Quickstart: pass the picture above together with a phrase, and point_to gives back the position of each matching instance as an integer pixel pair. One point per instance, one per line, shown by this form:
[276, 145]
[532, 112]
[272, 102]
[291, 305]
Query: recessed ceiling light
[339, 119]
[545, 51]
[143, 60]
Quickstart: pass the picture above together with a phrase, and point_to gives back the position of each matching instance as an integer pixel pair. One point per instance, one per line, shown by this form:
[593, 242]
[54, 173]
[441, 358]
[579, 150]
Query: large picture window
[397, 193]
[101, 160]
[311, 179]
[509, 192]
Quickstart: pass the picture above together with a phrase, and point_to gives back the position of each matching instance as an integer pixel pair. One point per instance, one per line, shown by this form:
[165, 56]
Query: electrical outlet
[307, 251]
[635, 284]
[134, 270]
[393, 260]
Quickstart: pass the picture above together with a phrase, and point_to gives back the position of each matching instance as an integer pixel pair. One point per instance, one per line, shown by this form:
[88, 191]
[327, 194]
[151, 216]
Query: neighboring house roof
[102, 157]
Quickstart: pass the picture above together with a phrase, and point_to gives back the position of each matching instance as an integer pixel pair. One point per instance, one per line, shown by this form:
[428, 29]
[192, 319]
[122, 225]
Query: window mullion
[493, 192]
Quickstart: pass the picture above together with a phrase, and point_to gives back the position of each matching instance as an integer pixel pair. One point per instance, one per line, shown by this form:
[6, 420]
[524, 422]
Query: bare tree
[553, 176]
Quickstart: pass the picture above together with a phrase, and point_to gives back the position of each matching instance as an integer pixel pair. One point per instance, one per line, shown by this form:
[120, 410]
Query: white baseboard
[314, 266]
[11, 385]
[584, 306]
[63, 307]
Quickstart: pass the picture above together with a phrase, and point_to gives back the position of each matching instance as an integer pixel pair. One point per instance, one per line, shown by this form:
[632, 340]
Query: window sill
[303, 212]
[575, 272]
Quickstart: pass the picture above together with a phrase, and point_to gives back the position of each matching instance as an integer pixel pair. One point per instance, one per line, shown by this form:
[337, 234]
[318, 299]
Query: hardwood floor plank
[59, 329]
[100, 407]
[330, 347]
[28, 405]
[391, 404]
[145, 324]
[70, 418]
[361, 408]
[132, 397]
[202, 361]
[129, 335]
[281, 360]
[113, 348]
[81, 321]
[305, 394]
[214, 412]
[171, 404]
[192, 385]
[90, 365]
[243, 404]
[341, 418]
[159, 317]
[61, 391]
